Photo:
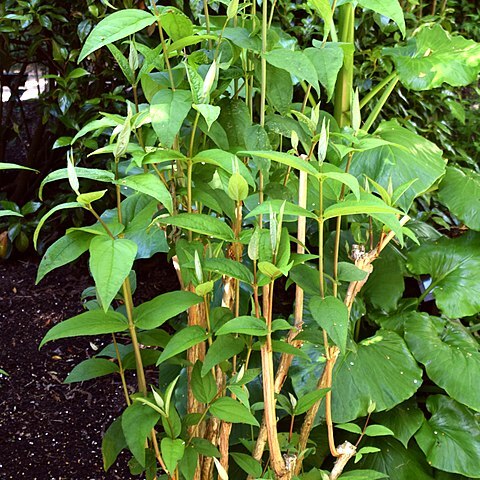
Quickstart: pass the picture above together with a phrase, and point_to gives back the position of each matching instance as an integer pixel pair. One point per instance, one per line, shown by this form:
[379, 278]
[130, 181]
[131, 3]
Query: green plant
[228, 163]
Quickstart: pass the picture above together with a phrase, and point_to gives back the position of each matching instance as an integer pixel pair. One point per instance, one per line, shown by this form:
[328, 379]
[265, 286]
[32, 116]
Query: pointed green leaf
[156, 312]
[229, 410]
[200, 223]
[204, 387]
[151, 185]
[94, 322]
[332, 315]
[387, 8]
[168, 110]
[110, 263]
[368, 204]
[228, 267]
[172, 452]
[91, 368]
[248, 464]
[289, 208]
[245, 325]
[113, 442]
[285, 159]
[181, 341]
[307, 401]
[138, 420]
[55, 209]
[223, 348]
[116, 26]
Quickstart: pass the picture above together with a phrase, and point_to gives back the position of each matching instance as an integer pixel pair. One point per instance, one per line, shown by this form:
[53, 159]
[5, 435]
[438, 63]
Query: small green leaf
[91, 368]
[113, 442]
[284, 159]
[368, 204]
[172, 452]
[245, 325]
[181, 341]
[332, 315]
[237, 188]
[350, 427]
[228, 267]
[88, 198]
[203, 387]
[149, 184]
[138, 420]
[94, 322]
[275, 206]
[209, 112]
[223, 348]
[229, 410]
[307, 401]
[377, 431]
[200, 223]
[248, 464]
[110, 263]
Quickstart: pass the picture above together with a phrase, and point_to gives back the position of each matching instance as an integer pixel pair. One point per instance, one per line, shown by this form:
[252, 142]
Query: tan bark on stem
[346, 452]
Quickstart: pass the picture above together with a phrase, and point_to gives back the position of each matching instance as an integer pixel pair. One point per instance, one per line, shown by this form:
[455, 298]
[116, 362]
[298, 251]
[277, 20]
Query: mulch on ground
[50, 430]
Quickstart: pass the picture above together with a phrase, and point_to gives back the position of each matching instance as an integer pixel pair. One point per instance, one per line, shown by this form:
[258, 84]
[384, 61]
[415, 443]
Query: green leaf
[14, 166]
[404, 420]
[91, 368]
[324, 10]
[229, 410]
[348, 272]
[156, 312]
[226, 161]
[327, 60]
[408, 156]
[114, 27]
[295, 62]
[90, 173]
[386, 284]
[10, 213]
[223, 348]
[181, 341]
[349, 427]
[396, 461]
[94, 322]
[245, 325]
[55, 209]
[122, 63]
[203, 386]
[189, 462]
[349, 180]
[248, 464]
[363, 475]
[209, 112]
[279, 89]
[449, 353]
[308, 400]
[110, 263]
[433, 57]
[460, 192]
[378, 431]
[138, 420]
[284, 159]
[228, 267]
[450, 439]
[332, 315]
[87, 198]
[388, 371]
[454, 265]
[172, 452]
[176, 24]
[200, 223]
[113, 442]
[151, 185]
[168, 110]
[289, 208]
[387, 8]
[368, 204]
[237, 187]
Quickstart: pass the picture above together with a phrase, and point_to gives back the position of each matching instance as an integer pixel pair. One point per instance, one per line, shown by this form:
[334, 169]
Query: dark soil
[49, 430]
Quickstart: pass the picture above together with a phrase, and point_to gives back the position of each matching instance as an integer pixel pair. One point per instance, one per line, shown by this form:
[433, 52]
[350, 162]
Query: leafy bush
[225, 160]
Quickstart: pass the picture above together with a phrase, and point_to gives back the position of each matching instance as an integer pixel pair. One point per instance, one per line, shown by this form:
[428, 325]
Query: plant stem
[344, 86]
[374, 91]
[121, 371]
[378, 107]
[320, 241]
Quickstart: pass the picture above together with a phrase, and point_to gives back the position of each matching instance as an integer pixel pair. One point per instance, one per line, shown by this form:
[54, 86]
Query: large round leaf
[407, 157]
[396, 461]
[381, 370]
[454, 265]
[451, 438]
[460, 193]
[449, 353]
[434, 57]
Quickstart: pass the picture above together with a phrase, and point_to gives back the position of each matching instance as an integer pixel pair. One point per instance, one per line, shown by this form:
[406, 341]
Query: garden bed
[50, 430]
